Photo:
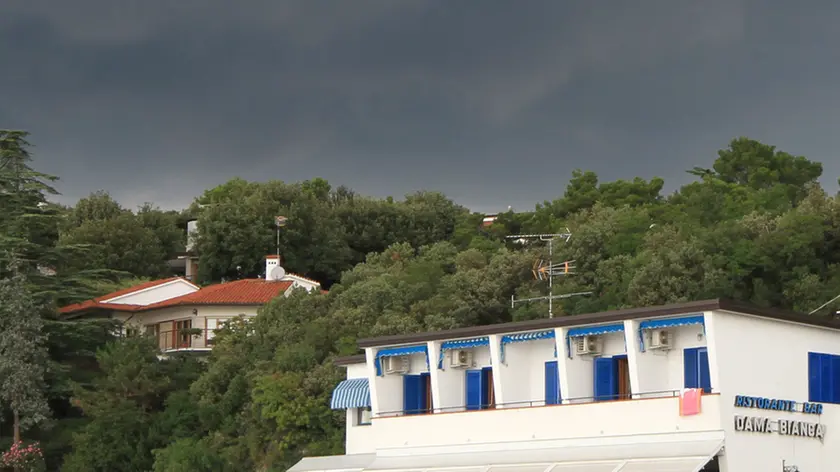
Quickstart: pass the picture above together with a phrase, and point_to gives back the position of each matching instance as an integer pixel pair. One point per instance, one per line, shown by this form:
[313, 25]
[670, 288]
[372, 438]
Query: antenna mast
[547, 271]
[279, 222]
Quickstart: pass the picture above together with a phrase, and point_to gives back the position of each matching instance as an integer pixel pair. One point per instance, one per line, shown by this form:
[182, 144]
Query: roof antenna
[547, 270]
[825, 305]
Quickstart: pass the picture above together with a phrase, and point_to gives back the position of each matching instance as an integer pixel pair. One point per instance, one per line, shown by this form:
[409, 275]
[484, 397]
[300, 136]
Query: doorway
[623, 374]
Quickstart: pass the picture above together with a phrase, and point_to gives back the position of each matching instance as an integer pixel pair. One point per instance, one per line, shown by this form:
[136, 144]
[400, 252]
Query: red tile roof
[239, 292]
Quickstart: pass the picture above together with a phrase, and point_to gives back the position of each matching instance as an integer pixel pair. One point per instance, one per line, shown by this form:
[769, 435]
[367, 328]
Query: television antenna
[825, 305]
[547, 270]
[279, 222]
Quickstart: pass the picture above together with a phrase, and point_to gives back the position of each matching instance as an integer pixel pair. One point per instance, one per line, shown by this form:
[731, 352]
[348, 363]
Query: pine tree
[23, 354]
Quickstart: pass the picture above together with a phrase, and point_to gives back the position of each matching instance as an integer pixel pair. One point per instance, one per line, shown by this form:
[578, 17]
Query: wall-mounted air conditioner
[461, 359]
[587, 345]
[660, 339]
[395, 365]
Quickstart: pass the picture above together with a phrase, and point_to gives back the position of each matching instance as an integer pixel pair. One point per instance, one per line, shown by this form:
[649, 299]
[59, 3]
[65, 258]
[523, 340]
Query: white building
[702, 386]
[183, 316]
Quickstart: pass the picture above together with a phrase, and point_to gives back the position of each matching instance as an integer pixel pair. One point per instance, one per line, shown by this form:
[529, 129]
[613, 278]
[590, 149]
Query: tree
[23, 355]
[125, 406]
[27, 226]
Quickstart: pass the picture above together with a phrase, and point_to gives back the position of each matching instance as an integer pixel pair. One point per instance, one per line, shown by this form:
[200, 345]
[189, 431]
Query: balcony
[188, 339]
[572, 420]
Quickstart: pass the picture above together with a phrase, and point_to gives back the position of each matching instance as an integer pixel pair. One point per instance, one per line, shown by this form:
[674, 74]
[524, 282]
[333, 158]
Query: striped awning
[351, 393]
[692, 319]
[524, 337]
[461, 344]
[591, 331]
[399, 351]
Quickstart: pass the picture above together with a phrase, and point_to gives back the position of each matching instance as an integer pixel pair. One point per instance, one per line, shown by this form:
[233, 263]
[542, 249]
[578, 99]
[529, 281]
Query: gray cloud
[492, 102]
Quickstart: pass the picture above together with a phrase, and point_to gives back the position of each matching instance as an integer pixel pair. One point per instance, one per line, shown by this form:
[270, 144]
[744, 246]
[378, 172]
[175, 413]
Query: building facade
[702, 386]
[183, 316]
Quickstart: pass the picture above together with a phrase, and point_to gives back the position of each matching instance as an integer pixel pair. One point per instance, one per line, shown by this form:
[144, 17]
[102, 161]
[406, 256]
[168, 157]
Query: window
[214, 324]
[182, 337]
[132, 331]
[823, 378]
[417, 394]
[696, 369]
[479, 391]
[363, 416]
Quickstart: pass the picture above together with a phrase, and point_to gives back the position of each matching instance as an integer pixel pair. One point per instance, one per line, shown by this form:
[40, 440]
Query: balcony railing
[188, 339]
[535, 403]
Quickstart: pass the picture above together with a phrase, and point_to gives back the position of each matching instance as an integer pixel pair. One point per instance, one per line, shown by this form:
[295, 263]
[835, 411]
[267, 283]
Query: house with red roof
[184, 316]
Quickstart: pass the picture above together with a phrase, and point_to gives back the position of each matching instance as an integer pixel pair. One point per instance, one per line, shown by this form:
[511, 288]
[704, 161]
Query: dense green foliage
[756, 226]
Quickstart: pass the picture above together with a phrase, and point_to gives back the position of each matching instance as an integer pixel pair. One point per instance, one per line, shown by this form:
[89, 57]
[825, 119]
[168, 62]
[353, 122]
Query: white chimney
[272, 263]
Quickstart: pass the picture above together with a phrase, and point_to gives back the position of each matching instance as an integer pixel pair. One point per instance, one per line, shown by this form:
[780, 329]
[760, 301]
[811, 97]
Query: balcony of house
[670, 354]
[543, 424]
[608, 362]
[403, 375]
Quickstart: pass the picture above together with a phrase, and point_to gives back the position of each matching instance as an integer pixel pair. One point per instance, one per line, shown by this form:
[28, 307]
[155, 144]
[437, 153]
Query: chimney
[272, 261]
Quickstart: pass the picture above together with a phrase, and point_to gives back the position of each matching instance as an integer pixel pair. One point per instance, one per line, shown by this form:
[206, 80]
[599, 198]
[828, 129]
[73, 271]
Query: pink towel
[690, 401]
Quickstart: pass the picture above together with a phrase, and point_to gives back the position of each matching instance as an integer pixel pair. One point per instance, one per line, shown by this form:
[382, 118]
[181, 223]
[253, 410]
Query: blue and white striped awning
[351, 393]
[523, 337]
[591, 331]
[692, 319]
[461, 344]
[399, 351]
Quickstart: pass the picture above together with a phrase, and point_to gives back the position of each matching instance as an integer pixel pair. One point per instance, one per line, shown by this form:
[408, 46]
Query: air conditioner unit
[587, 345]
[461, 358]
[660, 339]
[395, 365]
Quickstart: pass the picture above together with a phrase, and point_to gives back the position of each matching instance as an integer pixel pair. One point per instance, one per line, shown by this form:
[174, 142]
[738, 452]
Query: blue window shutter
[411, 394]
[690, 365]
[474, 389]
[486, 376]
[826, 387]
[424, 394]
[834, 380]
[552, 380]
[705, 377]
[606, 382]
[814, 377]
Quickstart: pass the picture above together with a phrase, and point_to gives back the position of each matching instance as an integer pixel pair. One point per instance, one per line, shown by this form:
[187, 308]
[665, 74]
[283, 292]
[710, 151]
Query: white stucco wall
[523, 373]
[768, 358]
[155, 294]
[556, 422]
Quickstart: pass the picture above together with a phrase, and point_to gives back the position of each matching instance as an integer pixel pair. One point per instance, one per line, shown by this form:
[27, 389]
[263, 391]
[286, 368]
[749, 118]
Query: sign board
[783, 427]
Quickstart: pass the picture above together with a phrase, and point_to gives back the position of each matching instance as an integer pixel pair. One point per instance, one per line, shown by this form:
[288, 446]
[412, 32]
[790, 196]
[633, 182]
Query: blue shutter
[814, 378]
[475, 381]
[424, 394]
[552, 380]
[834, 380]
[412, 396]
[705, 380]
[826, 388]
[606, 381]
[827, 381]
[690, 365]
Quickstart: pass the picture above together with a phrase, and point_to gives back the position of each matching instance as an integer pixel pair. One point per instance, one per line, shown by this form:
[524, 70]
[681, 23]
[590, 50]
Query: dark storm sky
[492, 102]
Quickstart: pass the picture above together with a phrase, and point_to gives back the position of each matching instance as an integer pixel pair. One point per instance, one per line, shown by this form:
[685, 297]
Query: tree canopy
[754, 226]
